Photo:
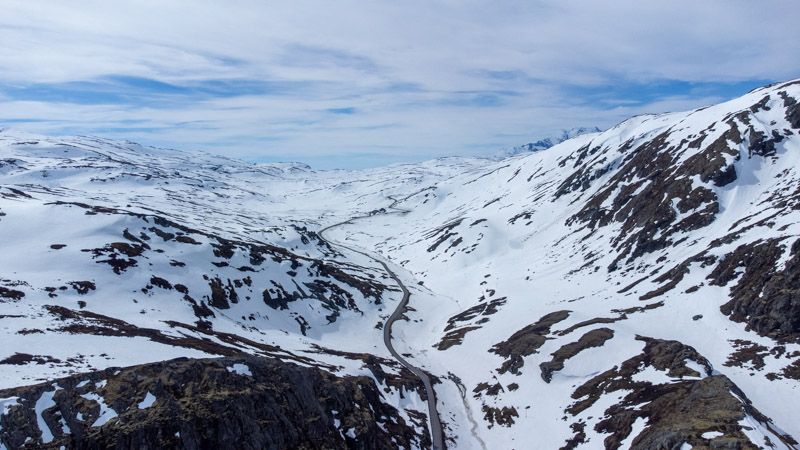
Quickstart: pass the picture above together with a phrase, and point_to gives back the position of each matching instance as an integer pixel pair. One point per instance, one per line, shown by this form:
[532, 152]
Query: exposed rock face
[469, 320]
[767, 296]
[647, 185]
[594, 338]
[526, 342]
[688, 405]
[664, 186]
[226, 403]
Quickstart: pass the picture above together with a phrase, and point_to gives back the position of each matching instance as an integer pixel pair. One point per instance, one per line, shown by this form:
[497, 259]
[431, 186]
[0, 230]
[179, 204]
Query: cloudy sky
[363, 83]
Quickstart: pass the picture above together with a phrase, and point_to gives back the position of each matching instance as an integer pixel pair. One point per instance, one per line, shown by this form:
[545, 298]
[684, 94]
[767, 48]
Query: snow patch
[636, 429]
[44, 402]
[240, 369]
[106, 412]
[148, 401]
[7, 403]
[711, 434]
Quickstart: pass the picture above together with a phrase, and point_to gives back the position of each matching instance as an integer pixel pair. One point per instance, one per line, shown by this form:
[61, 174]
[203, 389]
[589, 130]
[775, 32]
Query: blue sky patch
[138, 91]
[634, 93]
[346, 111]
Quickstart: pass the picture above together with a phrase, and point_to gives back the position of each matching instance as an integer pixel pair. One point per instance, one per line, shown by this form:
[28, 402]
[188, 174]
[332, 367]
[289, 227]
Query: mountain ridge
[546, 142]
[586, 292]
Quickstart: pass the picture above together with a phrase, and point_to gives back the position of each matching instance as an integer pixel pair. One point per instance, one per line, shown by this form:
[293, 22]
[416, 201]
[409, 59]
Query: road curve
[437, 435]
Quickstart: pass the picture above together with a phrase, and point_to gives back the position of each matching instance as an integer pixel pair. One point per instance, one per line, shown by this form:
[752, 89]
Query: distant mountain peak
[546, 142]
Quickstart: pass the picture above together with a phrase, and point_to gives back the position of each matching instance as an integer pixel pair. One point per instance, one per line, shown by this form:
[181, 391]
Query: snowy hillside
[116, 255]
[632, 288]
[604, 282]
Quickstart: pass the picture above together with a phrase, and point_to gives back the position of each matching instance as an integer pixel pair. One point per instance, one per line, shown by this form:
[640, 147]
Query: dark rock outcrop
[11, 294]
[526, 342]
[664, 186]
[766, 297]
[468, 320]
[226, 403]
[677, 412]
[594, 338]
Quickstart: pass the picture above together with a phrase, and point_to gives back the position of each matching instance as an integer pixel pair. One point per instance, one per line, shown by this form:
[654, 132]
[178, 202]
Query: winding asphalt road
[437, 436]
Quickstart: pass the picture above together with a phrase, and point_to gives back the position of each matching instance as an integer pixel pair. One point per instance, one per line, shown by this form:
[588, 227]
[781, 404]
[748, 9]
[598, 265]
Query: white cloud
[424, 78]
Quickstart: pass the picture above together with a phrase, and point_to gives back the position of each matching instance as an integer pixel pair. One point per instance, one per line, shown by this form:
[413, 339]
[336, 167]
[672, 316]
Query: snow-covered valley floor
[632, 288]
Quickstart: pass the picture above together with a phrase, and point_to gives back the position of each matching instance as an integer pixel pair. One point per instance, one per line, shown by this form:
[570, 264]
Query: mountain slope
[634, 288]
[564, 264]
[119, 255]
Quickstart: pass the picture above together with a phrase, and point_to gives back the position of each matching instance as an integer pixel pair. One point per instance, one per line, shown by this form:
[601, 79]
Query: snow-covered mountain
[548, 141]
[632, 288]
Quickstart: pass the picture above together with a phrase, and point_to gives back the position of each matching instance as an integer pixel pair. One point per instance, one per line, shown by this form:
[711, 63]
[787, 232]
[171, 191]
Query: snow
[7, 403]
[240, 369]
[510, 239]
[694, 365]
[638, 425]
[106, 412]
[44, 402]
[148, 401]
[711, 434]
[549, 141]
[760, 434]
